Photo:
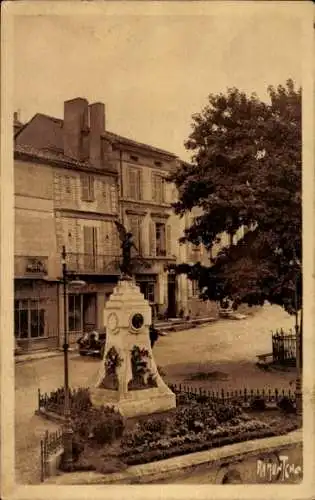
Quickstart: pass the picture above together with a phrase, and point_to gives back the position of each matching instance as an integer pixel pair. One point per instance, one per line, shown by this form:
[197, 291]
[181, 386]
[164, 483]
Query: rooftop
[55, 150]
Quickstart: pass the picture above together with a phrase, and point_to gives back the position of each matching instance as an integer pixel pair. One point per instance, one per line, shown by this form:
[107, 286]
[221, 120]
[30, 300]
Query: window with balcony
[90, 247]
[87, 188]
[134, 184]
[158, 188]
[160, 239]
[135, 229]
[29, 319]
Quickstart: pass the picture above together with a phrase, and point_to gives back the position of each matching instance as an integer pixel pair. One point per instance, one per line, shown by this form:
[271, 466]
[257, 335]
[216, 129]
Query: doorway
[89, 311]
[171, 292]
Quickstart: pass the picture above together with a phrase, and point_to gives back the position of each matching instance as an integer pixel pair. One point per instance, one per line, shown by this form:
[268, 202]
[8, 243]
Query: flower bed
[105, 441]
[192, 427]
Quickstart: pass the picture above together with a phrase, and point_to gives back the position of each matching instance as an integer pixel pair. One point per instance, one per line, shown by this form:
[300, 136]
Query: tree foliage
[246, 171]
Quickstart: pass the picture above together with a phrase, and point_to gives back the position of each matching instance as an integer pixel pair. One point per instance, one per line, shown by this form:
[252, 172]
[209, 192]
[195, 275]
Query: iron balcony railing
[93, 264]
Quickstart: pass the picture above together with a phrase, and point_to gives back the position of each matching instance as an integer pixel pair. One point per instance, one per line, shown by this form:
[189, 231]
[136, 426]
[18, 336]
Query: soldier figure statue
[127, 244]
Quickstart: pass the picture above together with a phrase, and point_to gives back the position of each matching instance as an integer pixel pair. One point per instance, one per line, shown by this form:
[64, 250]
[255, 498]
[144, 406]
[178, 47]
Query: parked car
[92, 343]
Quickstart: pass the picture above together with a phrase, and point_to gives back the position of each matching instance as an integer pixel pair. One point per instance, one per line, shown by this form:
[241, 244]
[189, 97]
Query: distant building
[145, 210]
[73, 179]
[66, 193]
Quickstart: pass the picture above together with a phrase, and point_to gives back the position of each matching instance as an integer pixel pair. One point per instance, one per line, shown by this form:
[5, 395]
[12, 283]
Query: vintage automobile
[92, 343]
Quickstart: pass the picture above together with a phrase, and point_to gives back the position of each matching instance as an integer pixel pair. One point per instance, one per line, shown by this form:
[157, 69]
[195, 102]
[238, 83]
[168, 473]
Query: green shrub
[102, 425]
[286, 405]
[154, 425]
[81, 400]
[108, 427]
[224, 412]
[258, 404]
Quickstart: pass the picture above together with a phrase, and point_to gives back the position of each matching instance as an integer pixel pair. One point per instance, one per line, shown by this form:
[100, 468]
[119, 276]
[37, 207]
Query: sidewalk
[175, 325]
[33, 356]
[172, 467]
[164, 326]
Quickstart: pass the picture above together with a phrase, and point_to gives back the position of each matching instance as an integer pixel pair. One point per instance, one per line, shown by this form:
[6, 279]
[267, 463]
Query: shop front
[85, 308]
[148, 286]
[35, 314]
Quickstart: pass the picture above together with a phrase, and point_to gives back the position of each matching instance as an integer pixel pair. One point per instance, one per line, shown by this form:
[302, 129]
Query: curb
[182, 464]
[177, 327]
[24, 358]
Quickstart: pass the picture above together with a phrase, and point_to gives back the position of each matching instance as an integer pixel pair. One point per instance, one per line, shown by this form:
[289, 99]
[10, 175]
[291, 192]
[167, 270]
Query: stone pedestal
[128, 378]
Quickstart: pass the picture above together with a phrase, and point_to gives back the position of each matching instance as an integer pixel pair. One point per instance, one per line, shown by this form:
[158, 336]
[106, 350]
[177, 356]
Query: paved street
[226, 347]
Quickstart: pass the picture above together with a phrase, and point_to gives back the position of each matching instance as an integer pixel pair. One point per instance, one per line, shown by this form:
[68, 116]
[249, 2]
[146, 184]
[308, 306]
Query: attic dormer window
[158, 163]
[134, 158]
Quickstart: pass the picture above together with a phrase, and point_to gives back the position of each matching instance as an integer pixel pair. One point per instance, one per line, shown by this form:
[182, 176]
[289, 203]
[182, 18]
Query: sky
[152, 72]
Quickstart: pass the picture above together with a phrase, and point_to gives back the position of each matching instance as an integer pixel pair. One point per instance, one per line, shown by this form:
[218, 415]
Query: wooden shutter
[84, 187]
[88, 247]
[91, 195]
[95, 240]
[168, 239]
[88, 239]
[139, 185]
[154, 187]
[165, 196]
[132, 181]
[152, 238]
[134, 228]
[113, 198]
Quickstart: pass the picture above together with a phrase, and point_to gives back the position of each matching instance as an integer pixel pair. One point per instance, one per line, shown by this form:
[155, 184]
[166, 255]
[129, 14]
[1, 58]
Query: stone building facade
[66, 193]
[145, 210]
[73, 180]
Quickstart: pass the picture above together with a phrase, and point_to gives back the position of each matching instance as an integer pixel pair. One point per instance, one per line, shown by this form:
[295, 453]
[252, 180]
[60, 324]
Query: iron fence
[51, 443]
[243, 396]
[55, 401]
[284, 347]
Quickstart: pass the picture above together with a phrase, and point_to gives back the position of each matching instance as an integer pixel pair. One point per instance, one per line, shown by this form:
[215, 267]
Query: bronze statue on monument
[127, 243]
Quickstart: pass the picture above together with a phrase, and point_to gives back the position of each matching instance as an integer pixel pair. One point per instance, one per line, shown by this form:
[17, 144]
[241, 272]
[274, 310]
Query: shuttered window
[90, 247]
[160, 237]
[152, 239]
[67, 184]
[113, 198]
[158, 188]
[135, 229]
[168, 240]
[87, 188]
[134, 183]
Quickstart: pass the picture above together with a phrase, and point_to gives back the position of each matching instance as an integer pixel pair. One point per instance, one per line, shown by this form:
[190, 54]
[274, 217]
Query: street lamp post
[67, 429]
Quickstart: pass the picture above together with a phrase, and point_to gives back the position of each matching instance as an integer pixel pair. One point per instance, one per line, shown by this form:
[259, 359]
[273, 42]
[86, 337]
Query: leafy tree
[246, 171]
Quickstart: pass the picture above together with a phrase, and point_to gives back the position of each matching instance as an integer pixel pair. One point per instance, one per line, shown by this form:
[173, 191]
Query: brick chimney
[75, 127]
[97, 128]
